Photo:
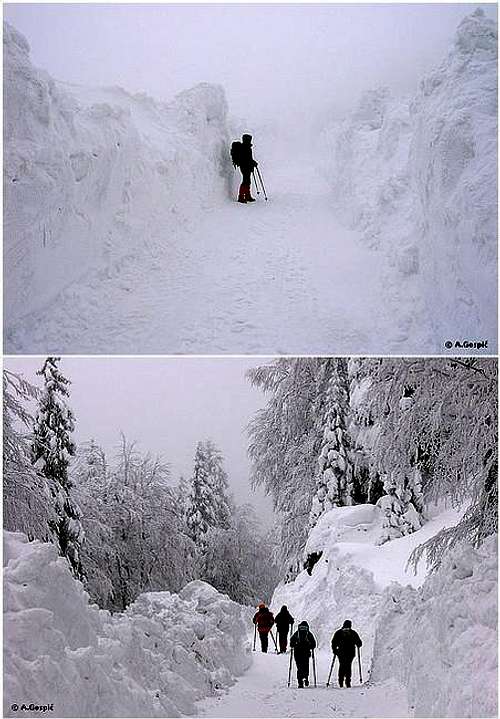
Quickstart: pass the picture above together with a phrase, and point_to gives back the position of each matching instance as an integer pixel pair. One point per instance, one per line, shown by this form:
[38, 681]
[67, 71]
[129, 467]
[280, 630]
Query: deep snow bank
[418, 177]
[91, 176]
[156, 659]
[440, 641]
[349, 579]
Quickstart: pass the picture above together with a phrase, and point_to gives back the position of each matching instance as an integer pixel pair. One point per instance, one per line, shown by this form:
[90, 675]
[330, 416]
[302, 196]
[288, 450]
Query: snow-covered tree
[27, 499]
[284, 447]
[239, 560]
[334, 479]
[51, 452]
[436, 438]
[135, 537]
[208, 503]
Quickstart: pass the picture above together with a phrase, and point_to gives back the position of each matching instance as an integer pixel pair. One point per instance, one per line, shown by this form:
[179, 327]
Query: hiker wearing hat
[344, 643]
[241, 155]
[284, 621]
[303, 643]
[264, 620]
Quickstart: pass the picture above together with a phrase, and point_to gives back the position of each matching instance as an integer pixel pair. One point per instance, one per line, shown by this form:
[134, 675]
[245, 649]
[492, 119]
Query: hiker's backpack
[303, 637]
[236, 148]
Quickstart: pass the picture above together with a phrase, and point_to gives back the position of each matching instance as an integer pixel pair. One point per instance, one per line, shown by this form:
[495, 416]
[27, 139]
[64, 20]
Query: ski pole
[290, 666]
[254, 636]
[261, 183]
[359, 664]
[314, 667]
[331, 670]
[274, 640]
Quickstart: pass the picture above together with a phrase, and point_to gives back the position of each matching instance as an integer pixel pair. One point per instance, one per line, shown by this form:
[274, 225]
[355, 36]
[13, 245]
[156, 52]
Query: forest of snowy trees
[399, 432]
[122, 522]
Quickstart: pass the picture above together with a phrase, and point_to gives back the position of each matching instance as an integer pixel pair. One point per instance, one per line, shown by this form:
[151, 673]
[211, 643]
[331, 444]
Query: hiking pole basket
[261, 183]
[359, 665]
[290, 666]
[330, 672]
[314, 667]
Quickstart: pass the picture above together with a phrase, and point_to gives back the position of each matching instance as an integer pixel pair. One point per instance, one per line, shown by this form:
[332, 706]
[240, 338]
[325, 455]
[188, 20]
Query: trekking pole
[359, 665]
[290, 666]
[255, 183]
[314, 667]
[254, 636]
[261, 183]
[274, 640]
[331, 670]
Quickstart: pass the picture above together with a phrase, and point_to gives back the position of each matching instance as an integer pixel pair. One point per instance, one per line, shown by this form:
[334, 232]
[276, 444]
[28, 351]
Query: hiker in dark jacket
[284, 621]
[264, 620]
[344, 643]
[247, 165]
[302, 642]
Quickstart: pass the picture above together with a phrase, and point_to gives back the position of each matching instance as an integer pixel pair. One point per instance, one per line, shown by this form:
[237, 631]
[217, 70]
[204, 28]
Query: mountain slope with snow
[155, 659]
[419, 178]
[91, 176]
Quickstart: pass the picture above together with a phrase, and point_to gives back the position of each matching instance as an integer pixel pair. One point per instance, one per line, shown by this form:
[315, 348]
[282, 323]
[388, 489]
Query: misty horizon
[293, 56]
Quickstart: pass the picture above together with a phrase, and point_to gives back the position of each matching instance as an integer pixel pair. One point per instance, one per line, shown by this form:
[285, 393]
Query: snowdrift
[155, 659]
[349, 579]
[92, 176]
[418, 177]
[440, 641]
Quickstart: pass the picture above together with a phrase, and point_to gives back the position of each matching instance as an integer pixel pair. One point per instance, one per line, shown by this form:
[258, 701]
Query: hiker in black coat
[247, 165]
[302, 643]
[283, 621]
[344, 643]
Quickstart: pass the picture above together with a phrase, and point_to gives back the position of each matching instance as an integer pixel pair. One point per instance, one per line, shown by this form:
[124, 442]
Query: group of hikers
[242, 157]
[344, 643]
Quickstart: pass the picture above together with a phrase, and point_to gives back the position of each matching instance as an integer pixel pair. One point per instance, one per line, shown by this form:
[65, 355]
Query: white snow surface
[155, 659]
[122, 234]
[92, 175]
[441, 640]
[418, 176]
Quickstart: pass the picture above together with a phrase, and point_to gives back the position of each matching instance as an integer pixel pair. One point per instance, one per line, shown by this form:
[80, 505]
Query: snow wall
[418, 177]
[441, 640]
[155, 659]
[94, 175]
[427, 632]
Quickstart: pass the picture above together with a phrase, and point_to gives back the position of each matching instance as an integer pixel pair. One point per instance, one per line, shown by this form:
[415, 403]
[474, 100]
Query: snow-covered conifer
[334, 479]
[51, 451]
[208, 504]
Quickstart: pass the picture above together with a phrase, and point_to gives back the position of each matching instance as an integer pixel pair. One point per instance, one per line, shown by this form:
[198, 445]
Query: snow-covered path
[273, 277]
[263, 691]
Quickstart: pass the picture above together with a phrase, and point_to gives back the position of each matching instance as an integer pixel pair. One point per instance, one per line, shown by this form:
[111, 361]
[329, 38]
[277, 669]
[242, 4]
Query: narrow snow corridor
[263, 691]
[273, 277]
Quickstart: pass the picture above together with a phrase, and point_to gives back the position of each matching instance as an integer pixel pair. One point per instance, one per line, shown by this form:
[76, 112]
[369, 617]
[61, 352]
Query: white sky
[269, 58]
[167, 405]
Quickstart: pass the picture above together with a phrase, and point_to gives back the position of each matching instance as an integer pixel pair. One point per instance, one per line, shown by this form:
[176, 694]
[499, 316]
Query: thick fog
[167, 405]
[301, 60]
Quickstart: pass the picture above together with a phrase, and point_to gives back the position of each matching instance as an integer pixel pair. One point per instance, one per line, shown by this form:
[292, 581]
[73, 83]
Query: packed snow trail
[263, 691]
[272, 277]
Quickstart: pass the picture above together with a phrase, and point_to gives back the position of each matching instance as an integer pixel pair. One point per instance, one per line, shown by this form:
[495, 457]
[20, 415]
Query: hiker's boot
[248, 196]
[242, 193]
[301, 686]
[306, 682]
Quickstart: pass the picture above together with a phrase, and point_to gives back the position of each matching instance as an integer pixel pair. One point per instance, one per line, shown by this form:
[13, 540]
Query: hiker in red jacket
[264, 620]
